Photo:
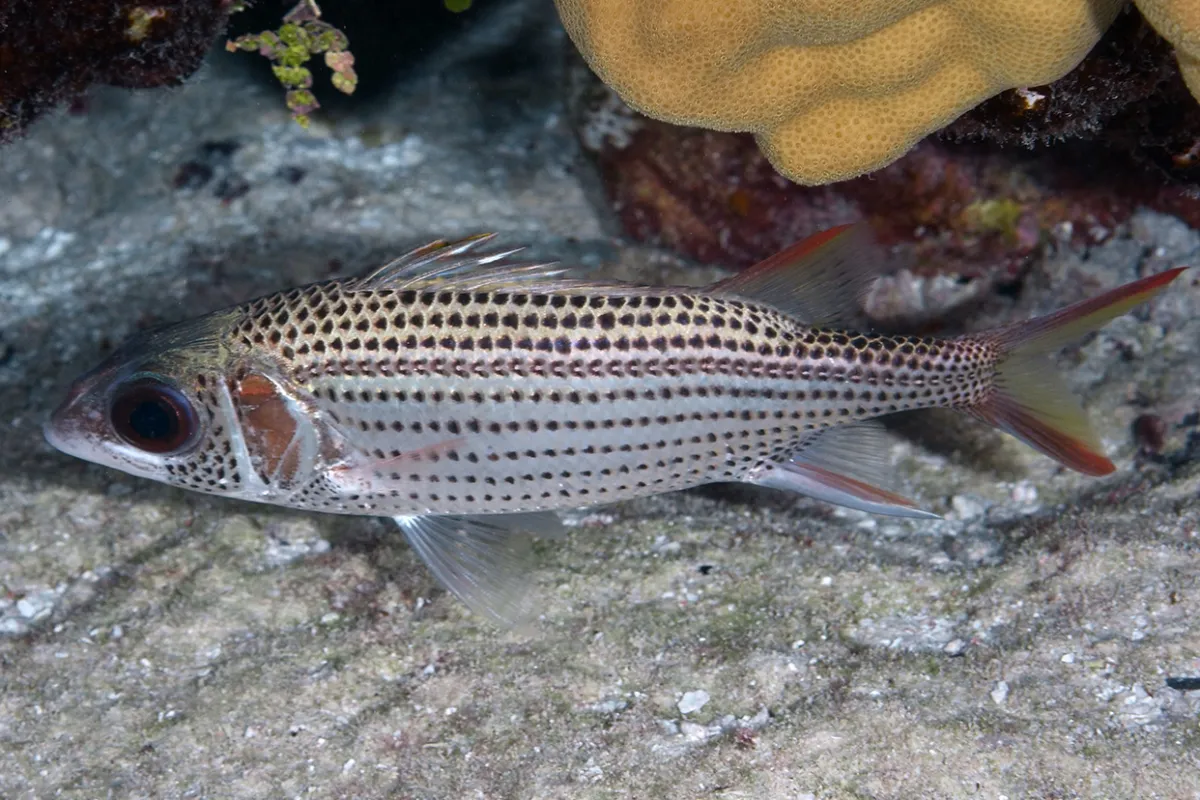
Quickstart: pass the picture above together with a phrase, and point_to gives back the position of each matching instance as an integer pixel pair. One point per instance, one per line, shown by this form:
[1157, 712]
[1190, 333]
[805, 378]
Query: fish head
[156, 408]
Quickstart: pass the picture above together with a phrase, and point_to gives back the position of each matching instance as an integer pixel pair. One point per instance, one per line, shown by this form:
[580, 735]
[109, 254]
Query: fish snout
[71, 420]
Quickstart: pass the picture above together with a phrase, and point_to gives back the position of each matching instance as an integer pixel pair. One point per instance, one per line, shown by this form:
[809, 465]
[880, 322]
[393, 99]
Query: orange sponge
[833, 89]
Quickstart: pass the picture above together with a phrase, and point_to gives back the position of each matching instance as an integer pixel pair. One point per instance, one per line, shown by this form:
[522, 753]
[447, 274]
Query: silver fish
[466, 394]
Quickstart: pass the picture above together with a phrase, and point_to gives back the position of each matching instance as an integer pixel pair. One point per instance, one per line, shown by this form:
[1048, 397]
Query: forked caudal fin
[1030, 399]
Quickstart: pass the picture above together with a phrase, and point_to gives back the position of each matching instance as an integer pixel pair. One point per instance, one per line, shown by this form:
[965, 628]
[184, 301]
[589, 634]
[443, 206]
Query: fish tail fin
[1031, 401]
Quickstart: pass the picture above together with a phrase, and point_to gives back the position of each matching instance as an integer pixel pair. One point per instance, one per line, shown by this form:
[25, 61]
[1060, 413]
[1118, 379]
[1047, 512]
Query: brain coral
[832, 89]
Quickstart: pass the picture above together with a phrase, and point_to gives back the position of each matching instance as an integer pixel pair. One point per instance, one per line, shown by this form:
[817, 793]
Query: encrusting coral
[835, 90]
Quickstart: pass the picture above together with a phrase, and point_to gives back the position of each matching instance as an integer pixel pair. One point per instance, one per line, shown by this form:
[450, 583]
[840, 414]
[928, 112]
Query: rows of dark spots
[466, 394]
[915, 372]
[457, 411]
[329, 363]
[556, 486]
[661, 342]
[936, 356]
[298, 316]
[770, 423]
[325, 320]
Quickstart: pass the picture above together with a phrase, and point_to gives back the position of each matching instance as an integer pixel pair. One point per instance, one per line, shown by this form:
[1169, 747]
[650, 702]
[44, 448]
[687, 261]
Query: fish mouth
[57, 431]
[52, 436]
[66, 429]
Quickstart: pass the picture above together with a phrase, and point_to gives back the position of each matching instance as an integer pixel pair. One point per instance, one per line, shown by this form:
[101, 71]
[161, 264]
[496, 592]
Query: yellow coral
[1178, 21]
[832, 88]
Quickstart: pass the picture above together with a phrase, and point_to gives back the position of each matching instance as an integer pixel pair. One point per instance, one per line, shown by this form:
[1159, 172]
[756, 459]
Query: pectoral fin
[484, 561]
[846, 466]
[360, 473]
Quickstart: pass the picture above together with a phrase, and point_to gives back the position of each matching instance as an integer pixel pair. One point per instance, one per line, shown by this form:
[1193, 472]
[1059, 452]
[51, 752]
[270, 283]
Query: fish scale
[467, 395]
[565, 399]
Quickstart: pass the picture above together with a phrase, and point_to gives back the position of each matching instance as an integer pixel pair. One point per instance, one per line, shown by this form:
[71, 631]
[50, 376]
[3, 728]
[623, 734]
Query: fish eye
[152, 416]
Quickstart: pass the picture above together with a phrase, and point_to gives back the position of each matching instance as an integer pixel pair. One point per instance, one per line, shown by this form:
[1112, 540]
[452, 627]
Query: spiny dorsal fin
[462, 267]
[459, 265]
[821, 281]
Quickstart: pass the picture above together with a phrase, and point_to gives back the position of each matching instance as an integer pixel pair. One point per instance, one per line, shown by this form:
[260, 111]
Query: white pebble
[954, 647]
[692, 702]
[966, 507]
[1024, 493]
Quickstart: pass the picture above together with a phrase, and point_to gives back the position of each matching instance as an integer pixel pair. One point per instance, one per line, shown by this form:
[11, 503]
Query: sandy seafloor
[728, 644]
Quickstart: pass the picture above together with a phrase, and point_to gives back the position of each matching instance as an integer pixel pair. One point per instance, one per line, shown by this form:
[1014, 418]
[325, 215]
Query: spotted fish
[469, 395]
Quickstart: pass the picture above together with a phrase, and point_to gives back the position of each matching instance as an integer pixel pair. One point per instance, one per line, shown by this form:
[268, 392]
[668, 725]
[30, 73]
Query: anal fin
[484, 560]
[847, 466]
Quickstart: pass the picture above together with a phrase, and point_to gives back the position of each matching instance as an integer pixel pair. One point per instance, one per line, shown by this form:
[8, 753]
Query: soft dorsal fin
[460, 266]
[821, 281]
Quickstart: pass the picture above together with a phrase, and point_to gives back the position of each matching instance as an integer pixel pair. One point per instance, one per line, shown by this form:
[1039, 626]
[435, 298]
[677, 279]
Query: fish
[472, 395]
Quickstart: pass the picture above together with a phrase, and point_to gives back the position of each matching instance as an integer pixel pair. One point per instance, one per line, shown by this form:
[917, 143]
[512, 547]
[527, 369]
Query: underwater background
[1041, 640]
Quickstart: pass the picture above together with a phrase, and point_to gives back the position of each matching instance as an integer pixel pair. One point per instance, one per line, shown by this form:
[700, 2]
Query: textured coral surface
[832, 90]
[1075, 159]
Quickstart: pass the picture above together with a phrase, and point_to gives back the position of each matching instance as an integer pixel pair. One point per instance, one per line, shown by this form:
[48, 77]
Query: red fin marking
[1078, 453]
[789, 256]
[367, 474]
[853, 486]
[1068, 324]
[1031, 401]
[819, 281]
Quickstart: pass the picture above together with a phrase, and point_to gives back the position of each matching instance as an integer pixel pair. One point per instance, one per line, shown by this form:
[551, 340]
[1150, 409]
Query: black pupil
[153, 416]
[153, 419]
